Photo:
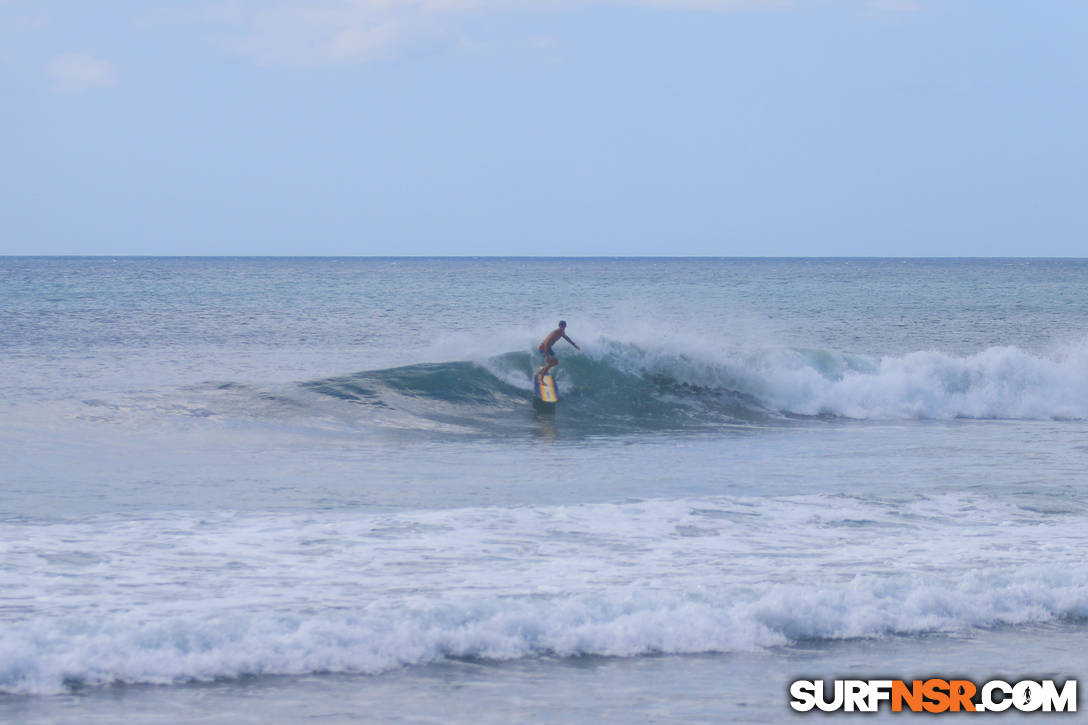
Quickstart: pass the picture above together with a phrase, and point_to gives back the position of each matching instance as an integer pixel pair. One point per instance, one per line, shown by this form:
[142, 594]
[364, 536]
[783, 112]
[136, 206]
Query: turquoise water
[257, 490]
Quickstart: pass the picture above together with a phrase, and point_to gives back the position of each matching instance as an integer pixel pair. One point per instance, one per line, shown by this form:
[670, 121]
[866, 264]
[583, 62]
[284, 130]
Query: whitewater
[263, 490]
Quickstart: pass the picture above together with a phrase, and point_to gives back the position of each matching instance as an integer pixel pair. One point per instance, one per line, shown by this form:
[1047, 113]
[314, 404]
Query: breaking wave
[620, 386]
[181, 598]
[86, 651]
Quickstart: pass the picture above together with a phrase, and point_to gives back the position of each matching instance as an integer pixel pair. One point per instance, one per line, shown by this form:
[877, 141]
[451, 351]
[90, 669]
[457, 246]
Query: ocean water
[283, 490]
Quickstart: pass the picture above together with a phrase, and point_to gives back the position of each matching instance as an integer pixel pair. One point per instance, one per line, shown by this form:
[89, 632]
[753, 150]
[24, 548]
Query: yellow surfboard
[545, 388]
[545, 396]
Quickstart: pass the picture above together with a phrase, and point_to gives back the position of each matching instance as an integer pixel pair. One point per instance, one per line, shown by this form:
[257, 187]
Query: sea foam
[174, 599]
[48, 656]
[997, 383]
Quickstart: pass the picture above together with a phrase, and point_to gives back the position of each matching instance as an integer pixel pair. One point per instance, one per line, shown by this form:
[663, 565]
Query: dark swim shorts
[546, 353]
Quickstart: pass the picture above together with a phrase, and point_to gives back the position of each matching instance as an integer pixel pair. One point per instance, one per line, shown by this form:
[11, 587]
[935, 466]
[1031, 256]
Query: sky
[533, 127]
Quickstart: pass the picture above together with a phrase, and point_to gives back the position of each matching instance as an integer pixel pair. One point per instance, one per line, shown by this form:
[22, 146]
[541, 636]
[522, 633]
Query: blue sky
[524, 127]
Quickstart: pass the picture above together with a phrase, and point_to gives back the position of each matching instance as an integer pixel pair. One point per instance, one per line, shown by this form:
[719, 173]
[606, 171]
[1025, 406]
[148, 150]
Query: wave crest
[620, 386]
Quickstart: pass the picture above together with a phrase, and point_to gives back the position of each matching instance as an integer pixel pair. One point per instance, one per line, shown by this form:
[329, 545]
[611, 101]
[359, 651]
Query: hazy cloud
[710, 6]
[895, 6]
[321, 33]
[78, 72]
[325, 32]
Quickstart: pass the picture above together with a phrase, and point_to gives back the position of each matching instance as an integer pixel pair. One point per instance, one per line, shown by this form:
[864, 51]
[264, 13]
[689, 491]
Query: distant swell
[614, 386]
[86, 650]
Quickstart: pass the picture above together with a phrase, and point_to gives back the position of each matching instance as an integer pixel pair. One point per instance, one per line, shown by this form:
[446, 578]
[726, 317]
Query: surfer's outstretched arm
[572, 342]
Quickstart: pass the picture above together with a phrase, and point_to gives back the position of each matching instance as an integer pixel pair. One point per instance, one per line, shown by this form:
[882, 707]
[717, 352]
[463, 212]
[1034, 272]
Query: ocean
[276, 490]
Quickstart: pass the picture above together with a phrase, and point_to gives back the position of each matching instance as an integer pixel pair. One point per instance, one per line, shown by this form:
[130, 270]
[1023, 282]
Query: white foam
[42, 656]
[1001, 382]
[177, 598]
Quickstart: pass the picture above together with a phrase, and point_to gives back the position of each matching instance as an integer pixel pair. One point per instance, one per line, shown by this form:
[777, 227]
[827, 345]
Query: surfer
[546, 346]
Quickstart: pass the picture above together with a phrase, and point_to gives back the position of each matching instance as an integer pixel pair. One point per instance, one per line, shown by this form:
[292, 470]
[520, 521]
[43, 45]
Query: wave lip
[598, 395]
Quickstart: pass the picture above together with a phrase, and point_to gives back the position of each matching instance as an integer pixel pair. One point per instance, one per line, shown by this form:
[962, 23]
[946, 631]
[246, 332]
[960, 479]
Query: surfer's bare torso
[545, 348]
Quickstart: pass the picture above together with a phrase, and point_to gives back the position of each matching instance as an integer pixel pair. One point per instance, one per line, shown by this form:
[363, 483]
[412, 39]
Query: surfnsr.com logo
[933, 695]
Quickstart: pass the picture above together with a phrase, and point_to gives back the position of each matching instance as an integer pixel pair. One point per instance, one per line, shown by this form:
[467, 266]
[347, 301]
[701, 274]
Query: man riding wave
[546, 347]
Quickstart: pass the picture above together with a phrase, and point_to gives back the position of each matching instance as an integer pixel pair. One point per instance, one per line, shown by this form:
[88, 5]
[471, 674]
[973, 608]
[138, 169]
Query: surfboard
[544, 392]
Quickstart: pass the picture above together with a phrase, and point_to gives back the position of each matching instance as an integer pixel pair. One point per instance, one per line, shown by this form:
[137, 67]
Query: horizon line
[524, 256]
